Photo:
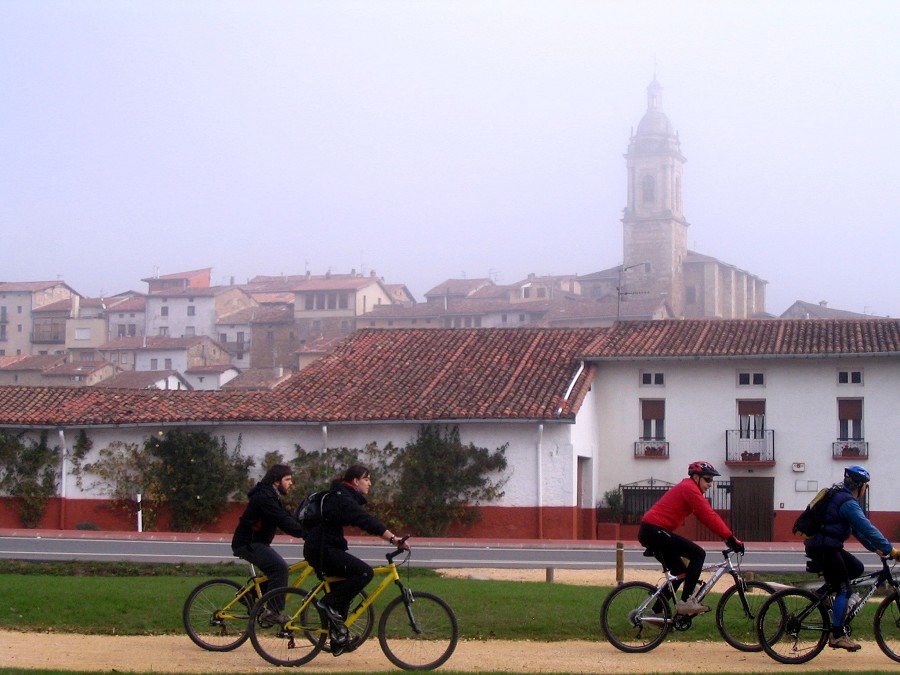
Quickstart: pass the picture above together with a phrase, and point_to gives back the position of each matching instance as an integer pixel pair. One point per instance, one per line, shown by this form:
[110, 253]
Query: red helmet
[703, 468]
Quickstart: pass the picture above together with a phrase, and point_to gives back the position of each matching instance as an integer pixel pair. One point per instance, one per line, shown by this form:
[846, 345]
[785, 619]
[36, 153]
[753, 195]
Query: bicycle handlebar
[399, 544]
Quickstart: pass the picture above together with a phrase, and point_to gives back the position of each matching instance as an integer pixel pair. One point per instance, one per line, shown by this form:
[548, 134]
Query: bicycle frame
[720, 569]
[390, 574]
[872, 581]
[254, 585]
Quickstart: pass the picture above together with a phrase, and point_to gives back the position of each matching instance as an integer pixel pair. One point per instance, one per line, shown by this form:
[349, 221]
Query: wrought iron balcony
[652, 448]
[844, 449]
[758, 449]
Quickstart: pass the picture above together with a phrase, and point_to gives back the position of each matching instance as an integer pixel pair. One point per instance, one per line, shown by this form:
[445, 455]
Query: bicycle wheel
[631, 626]
[887, 626]
[214, 618]
[360, 630]
[737, 611]
[793, 626]
[418, 636]
[293, 644]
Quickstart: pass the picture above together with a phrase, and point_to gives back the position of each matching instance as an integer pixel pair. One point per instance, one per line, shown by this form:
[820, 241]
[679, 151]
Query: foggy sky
[430, 140]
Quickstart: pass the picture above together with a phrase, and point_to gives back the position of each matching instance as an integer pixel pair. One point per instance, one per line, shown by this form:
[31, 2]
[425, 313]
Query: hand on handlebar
[735, 544]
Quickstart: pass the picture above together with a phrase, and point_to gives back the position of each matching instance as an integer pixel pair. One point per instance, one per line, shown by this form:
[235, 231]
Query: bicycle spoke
[737, 612]
[630, 621]
[792, 627]
[214, 619]
[887, 626]
[421, 636]
[293, 643]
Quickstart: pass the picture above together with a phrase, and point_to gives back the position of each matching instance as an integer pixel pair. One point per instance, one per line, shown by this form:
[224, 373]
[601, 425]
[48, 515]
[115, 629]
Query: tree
[442, 481]
[197, 476]
[28, 471]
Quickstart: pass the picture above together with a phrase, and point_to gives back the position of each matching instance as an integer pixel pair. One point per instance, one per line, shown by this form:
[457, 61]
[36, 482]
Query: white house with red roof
[781, 407]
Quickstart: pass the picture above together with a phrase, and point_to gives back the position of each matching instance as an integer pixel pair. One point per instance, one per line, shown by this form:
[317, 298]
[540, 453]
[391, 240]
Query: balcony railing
[758, 449]
[850, 449]
[655, 449]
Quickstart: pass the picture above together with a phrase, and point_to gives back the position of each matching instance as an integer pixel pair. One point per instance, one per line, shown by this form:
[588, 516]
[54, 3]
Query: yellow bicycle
[417, 631]
[216, 614]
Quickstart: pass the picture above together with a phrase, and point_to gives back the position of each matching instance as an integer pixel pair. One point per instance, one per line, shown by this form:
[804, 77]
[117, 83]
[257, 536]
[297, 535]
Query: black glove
[735, 544]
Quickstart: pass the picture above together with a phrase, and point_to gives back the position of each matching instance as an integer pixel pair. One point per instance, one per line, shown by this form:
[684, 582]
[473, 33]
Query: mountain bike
[637, 616]
[795, 623]
[216, 614]
[416, 631]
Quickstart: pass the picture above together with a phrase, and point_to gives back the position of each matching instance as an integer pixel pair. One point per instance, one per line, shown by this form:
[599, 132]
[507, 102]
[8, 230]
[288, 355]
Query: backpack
[810, 522]
[309, 510]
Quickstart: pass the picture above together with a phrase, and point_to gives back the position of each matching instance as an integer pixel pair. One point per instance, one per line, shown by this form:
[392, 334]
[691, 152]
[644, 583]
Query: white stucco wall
[521, 488]
[801, 407]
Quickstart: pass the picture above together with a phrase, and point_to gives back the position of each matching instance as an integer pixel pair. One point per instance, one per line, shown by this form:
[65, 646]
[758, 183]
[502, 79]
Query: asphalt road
[174, 548]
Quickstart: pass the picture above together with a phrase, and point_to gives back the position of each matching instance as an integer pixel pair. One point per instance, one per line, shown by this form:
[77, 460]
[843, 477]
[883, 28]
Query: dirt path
[177, 654]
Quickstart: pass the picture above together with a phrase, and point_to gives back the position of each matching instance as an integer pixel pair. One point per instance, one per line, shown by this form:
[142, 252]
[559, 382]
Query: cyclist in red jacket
[657, 525]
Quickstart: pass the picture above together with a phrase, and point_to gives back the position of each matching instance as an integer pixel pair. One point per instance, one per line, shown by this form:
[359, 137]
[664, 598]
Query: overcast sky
[433, 140]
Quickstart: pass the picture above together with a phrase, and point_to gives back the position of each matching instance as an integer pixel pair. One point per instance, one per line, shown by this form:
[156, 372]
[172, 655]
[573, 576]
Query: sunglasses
[708, 479]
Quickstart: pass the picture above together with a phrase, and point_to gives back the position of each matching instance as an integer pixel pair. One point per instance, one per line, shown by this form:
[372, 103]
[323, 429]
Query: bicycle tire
[205, 623]
[291, 644]
[887, 626]
[783, 635]
[360, 630]
[425, 645]
[622, 624]
[737, 626]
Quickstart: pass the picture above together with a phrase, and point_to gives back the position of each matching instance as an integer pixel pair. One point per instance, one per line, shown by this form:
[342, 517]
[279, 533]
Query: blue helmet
[856, 476]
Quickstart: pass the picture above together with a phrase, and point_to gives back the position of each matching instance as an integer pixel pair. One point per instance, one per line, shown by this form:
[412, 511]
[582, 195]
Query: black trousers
[268, 560]
[675, 549]
[337, 562]
[839, 566]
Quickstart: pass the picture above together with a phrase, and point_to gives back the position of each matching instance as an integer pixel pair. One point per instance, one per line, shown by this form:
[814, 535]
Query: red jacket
[678, 503]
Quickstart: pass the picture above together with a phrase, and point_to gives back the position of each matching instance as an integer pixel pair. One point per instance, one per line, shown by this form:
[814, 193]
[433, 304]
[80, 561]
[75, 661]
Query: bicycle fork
[408, 601]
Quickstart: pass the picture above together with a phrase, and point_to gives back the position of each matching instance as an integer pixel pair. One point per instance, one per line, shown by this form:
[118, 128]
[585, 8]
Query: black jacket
[344, 506]
[263, 516]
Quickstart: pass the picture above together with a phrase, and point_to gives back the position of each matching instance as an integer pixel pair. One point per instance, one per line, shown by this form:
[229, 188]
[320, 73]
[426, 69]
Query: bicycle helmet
[703, 468]
[855, 476]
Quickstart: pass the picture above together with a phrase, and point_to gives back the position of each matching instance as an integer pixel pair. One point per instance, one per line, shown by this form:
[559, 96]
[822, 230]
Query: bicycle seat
[814, 566]
[649, 553]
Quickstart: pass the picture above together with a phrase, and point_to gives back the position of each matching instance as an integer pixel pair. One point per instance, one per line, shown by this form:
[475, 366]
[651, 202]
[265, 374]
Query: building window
[191, 310]
[154, 364]
[190, 331]
[751, 379]
[132, 329]
[343, 301]
[82, 333]
[850, 377]
[752, 419]
[164, 311]
[163, 331]
[648, 189]
[270, 338]
[850, 419]
[653, 379]
[503, 318]
[168, 363]
[653, 420]
[120, 330]
[309, 301]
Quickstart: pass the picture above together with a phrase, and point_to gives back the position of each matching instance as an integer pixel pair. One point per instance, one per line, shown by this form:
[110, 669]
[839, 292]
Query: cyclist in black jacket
[252, 540]
[325, 547]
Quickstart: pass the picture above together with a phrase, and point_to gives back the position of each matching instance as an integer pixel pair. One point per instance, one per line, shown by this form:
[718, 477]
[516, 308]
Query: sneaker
[690, 607]
[269, 617]
[340, 640]
[333, 615]
[843, 642]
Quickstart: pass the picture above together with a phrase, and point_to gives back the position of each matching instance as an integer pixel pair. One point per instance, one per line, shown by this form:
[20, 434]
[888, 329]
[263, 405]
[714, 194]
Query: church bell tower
[655, 230]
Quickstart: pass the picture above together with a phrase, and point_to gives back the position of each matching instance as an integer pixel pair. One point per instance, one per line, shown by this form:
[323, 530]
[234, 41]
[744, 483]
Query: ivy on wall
[28, 471]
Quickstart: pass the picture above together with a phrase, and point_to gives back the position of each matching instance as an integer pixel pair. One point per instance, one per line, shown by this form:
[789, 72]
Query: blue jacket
[843, 517]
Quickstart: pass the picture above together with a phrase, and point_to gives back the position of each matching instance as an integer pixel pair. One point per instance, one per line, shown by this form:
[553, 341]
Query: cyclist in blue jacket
[843, 517]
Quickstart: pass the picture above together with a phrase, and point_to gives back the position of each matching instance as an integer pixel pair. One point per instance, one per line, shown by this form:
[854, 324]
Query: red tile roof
[452, 374]
[741, 337]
